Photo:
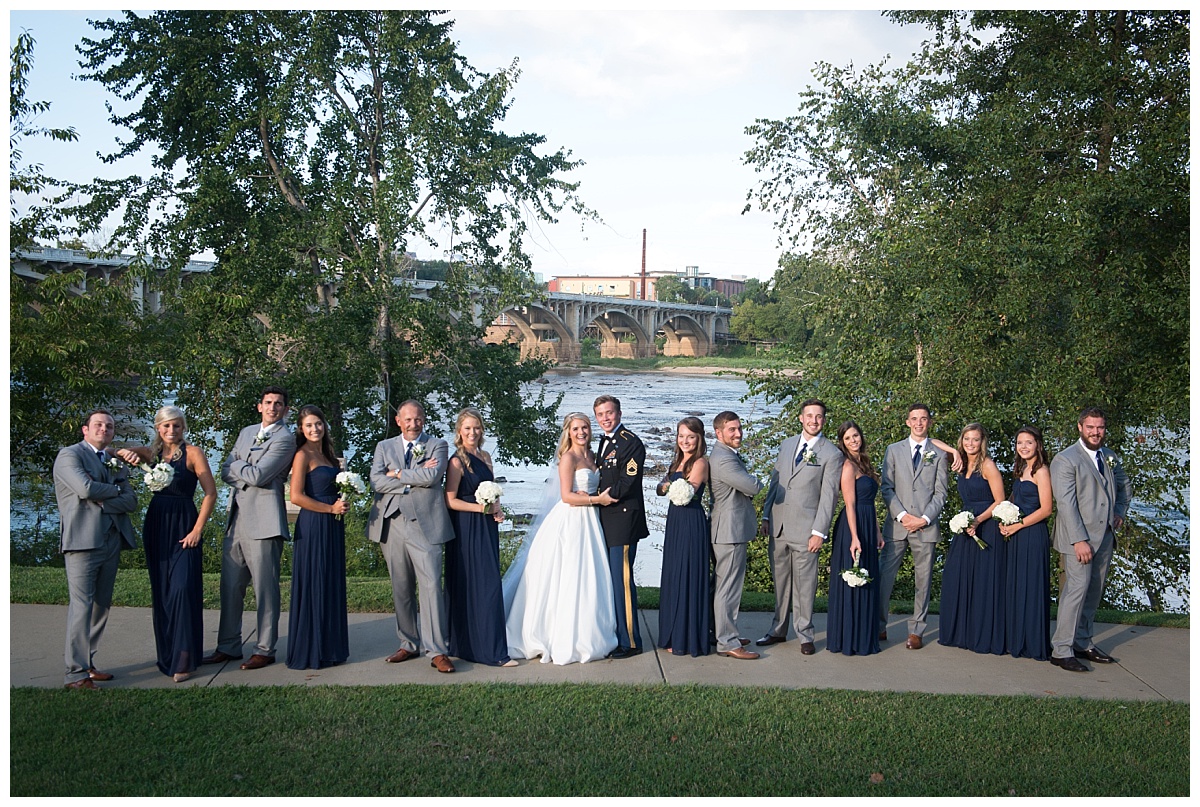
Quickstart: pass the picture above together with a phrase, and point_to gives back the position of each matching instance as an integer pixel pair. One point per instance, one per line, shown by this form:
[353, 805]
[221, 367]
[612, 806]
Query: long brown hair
[983, 445]
[860, 460]
[693, 425]
[1040, 458]
[327, 449]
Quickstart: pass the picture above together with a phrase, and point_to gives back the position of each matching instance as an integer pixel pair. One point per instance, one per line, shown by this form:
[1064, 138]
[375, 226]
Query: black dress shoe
[807, 648]
[1069, 664]
[624, 652]
[1095, 654]
[769, 640]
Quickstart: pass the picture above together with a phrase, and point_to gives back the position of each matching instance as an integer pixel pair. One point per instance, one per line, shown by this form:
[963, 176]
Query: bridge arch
[542, 334]
[685, 337]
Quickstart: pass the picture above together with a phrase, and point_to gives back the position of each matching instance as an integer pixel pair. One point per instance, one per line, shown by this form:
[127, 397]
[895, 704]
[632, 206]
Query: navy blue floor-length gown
[684, 609]
[176, 594]
[474, 600]
[1028, 581]
[854, 610]
[980, 585]
[318, 634]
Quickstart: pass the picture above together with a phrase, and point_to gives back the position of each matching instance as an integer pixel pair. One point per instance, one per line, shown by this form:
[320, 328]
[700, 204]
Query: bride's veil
[551, 495]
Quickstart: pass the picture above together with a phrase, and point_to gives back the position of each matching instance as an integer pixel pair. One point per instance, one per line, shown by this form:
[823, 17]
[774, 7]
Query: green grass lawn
[579, 740]
[48, 585]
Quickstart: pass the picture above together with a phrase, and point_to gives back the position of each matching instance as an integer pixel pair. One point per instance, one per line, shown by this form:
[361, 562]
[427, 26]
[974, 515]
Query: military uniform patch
[631, 469]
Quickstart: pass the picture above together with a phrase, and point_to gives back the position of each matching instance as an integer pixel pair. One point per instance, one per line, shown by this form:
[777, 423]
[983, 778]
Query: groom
[620, 458]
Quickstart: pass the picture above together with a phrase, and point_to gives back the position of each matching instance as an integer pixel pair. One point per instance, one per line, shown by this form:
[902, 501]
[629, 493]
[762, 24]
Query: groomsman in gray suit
[94, 503]
[798, 512]
[255, 471]
[410, 522]
[733, 490]
[914, 490]
[1092, 494]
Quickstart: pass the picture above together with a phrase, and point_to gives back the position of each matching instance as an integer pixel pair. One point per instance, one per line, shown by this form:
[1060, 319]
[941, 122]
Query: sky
[654, 102]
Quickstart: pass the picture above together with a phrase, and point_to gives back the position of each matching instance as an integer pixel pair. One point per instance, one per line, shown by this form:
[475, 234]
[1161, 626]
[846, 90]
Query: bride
[558, 596]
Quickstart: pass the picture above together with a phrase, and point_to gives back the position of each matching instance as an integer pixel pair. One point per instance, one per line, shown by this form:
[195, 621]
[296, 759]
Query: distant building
[629, 287]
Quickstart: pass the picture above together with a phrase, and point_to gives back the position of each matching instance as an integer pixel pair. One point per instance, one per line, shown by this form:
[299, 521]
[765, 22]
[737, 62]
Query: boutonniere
[418, 450]
[928, 457]
[261, 437]
[811, 458]
[1111, 460]
[113, 464]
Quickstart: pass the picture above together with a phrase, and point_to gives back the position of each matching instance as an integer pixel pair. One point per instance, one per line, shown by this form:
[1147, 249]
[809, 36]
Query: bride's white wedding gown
[562, 605]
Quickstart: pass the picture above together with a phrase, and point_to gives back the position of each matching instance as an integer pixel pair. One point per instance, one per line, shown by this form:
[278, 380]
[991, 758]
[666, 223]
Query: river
[651, 405]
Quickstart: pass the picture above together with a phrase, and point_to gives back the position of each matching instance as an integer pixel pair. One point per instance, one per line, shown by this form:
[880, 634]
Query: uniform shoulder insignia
[625, 433]
[631, 468]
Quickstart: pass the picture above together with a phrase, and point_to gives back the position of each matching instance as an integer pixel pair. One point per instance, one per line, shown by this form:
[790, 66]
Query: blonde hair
[460, 450]
[564, 439]
[165, 415]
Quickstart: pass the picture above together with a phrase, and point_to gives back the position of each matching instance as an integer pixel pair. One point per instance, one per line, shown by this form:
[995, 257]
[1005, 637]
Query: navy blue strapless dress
[972, 613]
[853, 625]
[474, 600]
[1027, 598]
[318, 634]
[176, 584]
[685, 604]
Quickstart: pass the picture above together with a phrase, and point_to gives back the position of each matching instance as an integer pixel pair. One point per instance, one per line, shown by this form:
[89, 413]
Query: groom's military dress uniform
[620, 459]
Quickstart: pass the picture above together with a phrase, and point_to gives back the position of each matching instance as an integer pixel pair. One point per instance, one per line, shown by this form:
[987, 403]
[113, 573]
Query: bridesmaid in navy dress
[1027, 580]
[171, 535]
[474, 600]
[972, 614]
[318, 634]
[685, 606]
[853, 610]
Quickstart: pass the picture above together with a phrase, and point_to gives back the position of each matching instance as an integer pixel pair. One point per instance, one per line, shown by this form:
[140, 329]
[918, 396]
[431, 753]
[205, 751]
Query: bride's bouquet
[680, 492]
[960, 522]
[349, 486]
[158, 477]
[856, 575]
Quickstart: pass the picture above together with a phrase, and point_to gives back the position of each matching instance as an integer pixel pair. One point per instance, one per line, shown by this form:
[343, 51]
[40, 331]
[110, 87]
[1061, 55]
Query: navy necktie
[408, 455]
[916, 457]
[802, 454]
[1100, 463]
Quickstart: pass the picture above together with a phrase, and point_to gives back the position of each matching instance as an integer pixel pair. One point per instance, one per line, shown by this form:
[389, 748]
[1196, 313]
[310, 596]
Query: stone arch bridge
[553, 328]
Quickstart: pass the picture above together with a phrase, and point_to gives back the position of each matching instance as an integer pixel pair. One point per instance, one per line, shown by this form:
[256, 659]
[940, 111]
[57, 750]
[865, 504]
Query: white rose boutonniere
[261, 437]
[1111, 459]
[928, 456]
[113, 464]
[418, 451]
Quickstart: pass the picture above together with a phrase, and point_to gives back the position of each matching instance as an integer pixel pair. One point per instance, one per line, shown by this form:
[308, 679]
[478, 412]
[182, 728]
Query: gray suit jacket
[417, 495]
[733, 491]
[802, 497]
[1087, 502]
[919, 493]
[91, 499]
[256, 474]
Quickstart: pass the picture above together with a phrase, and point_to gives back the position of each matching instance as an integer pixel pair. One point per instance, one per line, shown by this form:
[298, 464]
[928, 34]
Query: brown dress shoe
[82, 683]
[257, 661]
[399, 656]
[739, 652]
[914, 642]
[807, 648]
[744, 642]
[442, 663]
[218, 657]
[96, 675]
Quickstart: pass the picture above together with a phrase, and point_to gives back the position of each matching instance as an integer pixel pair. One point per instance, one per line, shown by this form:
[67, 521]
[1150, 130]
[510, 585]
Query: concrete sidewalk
[1153, 663]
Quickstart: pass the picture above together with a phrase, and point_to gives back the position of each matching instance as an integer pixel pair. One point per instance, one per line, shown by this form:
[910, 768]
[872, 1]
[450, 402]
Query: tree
[307, 150]
[1005, 222]
[58, 370]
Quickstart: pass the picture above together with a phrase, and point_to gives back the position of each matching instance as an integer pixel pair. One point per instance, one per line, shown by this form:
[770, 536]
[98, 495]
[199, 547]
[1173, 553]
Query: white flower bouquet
[488, 493]
[1007, 513]
[856, 575]
[960, 523]
[680, 492]
[349, 485]
[157, 477]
